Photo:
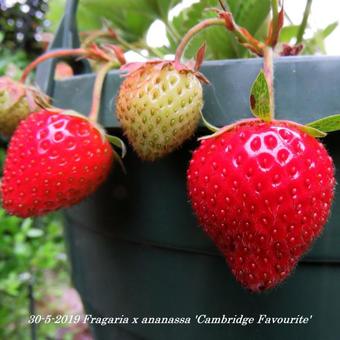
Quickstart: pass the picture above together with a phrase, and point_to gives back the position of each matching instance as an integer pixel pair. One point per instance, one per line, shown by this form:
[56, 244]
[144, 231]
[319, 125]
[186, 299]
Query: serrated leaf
[221, 44]
[327, 124]
[131, 17]
[260, 98]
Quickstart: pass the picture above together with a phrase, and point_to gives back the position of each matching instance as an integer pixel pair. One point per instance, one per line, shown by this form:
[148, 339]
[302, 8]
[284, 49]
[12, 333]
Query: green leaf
[288, 33]
[132, 17]
[163, 8]
[316, 44]
[329, 29]
[327, 124]
[260, 98]
[221, 44]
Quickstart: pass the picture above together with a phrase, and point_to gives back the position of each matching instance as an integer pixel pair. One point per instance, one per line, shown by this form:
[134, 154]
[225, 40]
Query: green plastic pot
[137, 250]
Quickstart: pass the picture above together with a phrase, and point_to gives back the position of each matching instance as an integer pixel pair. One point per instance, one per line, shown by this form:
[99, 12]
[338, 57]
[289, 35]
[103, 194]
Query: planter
[135, 246]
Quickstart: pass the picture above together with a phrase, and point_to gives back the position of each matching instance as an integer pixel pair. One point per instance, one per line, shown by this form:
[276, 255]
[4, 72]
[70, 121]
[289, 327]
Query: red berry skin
[53, 161]
[262, 192]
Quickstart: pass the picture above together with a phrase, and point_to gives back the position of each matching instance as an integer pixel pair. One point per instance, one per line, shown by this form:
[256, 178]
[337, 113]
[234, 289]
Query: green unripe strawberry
[159, 107]
[17, 101]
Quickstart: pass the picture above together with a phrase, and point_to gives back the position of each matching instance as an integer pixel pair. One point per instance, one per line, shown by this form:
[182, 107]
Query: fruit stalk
[109, 33]
[97, 90]
[268, 68]
[50, 55]
[192, 32]
[93, 52]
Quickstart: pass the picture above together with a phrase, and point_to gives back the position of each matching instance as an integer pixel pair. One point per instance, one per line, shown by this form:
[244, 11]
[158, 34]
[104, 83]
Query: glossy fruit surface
[54, 160]
[262, 192]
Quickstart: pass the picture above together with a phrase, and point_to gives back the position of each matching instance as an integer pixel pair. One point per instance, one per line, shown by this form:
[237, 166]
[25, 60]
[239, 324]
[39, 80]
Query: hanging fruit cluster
[261, 188]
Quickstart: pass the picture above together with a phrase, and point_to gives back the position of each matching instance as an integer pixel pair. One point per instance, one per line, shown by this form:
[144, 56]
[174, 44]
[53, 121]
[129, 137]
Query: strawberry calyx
[229, 127]
[159, 64]
[308, 128]
[16, 90]
[287, 50]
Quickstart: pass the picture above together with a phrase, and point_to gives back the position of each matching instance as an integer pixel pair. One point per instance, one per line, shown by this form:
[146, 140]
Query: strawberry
[17, 101]
[262, 191]
[55, 160]
[159, 106]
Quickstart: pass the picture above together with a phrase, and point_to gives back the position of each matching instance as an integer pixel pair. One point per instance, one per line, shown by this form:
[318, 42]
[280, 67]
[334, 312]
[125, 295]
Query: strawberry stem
[50, 55]
[93, 36]
[192, 32]
[268, 68]
[108, 53]
[97, 90]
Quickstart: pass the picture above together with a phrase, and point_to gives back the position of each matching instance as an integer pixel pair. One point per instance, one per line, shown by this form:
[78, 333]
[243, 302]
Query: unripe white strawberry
[17, 101]
[159, 107]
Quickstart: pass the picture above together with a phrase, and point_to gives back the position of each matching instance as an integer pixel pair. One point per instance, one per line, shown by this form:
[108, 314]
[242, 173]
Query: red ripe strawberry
[262, 192]
[54, 160]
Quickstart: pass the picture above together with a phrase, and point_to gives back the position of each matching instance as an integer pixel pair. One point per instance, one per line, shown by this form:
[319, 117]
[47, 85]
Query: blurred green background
[32, 252]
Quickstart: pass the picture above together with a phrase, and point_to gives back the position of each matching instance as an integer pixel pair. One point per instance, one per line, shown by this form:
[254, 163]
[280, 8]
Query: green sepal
[260, 98]
[208, 125]
[119, 159]
[327, 124]
[115, 141]
[313, 131]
